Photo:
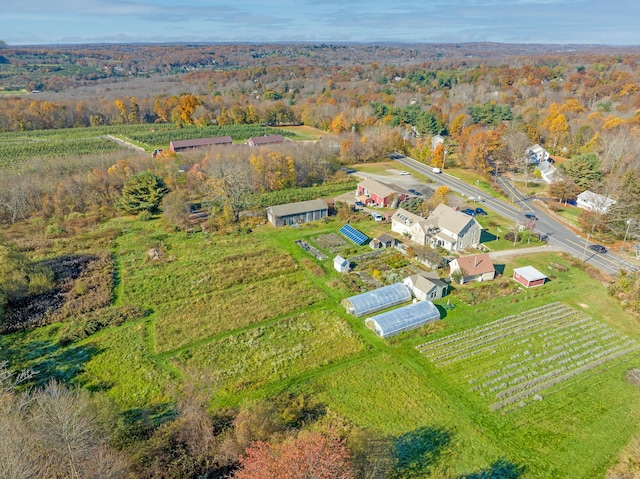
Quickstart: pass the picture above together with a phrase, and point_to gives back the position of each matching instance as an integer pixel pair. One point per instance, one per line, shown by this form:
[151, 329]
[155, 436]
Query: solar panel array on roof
[358, 237]
[405, 318]
[377, 300]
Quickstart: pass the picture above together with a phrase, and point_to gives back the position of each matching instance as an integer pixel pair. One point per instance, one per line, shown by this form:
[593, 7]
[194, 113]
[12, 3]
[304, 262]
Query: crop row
[236, 132]
[559, 376]
[588, 346]
[13, 152]
[478, 330]
[473, 343]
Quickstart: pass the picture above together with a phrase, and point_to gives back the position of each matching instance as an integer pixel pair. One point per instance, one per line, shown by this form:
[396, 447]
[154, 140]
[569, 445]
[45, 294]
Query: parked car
[360, 204]
[405, 173]
[377, 216]
[415, 192]
[598, 248]
[530, 216]
[480, 211]
[469, 212]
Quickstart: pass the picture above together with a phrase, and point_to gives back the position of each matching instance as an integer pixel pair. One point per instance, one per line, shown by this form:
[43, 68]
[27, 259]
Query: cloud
[540, 21]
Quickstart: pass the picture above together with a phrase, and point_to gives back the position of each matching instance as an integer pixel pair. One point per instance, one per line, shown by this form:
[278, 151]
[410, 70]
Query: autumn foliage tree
[310, 455]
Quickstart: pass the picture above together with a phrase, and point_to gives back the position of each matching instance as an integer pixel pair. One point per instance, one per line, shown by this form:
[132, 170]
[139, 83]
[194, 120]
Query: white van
[436, 170]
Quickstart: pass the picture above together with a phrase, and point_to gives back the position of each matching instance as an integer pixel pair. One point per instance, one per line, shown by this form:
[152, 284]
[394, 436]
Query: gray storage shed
[403, 319]
[295, 213]
[377, 300]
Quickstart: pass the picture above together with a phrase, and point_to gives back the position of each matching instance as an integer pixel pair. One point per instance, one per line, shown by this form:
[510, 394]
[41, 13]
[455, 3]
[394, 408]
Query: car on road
[414, 192]
[436, 170]
[530, 216]
[469, 212]
[598, 248]
[404, 173]
[480, 211]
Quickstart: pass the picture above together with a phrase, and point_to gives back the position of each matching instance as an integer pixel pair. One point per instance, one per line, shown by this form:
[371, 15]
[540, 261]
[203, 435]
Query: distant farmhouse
[548, 171]
[373, 192]
[296, 213]
[184, 145]
[265, 140]
[445, 227]
[591, 201]
[435, 141]
[478, 267]
[535, 154]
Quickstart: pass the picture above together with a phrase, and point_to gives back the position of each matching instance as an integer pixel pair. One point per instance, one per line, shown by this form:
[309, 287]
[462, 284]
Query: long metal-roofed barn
[182, 145]
[296, 213]
[403, 319]
[377, 300]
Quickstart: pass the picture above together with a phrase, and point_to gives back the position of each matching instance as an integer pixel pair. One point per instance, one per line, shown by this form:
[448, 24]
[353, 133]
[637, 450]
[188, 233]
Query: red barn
[529, 276]
[374, 192]
[183, 145]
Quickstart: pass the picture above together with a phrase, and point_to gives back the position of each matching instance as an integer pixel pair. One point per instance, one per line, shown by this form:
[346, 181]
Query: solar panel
[354, 235]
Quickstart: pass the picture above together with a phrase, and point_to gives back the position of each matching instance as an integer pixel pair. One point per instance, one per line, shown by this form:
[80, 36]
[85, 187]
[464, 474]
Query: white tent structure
[377, 300]
[403, 319]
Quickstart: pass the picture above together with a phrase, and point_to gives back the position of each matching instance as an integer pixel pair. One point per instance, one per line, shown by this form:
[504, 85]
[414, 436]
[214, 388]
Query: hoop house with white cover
[403, 319]
[377, 300]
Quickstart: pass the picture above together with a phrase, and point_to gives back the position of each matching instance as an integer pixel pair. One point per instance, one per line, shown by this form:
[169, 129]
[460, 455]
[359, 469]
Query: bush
[53, 230]
[145, 216]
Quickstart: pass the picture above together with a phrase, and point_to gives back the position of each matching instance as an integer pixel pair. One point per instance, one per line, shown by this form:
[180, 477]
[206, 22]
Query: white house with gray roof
[444, 227]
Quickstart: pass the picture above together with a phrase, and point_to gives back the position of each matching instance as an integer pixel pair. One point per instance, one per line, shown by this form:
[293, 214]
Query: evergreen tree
[142, 192]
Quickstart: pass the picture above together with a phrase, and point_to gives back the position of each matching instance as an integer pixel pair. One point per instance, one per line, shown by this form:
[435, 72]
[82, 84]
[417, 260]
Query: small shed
[341, 265]
[377, 299]
[296, 213]
[529, 276]
[403, 319]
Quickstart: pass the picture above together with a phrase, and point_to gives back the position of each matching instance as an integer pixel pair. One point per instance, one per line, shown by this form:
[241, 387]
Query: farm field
[251, 315]
[20, 146]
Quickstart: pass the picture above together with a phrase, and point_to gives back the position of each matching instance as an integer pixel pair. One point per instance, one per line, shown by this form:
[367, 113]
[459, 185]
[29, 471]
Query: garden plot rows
[513, 360]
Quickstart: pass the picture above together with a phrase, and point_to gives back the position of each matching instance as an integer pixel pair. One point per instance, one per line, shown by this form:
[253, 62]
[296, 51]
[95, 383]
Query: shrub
[53, 229]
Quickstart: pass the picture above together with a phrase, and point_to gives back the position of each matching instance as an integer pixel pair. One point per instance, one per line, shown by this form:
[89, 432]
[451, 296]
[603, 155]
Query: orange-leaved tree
[310, 455]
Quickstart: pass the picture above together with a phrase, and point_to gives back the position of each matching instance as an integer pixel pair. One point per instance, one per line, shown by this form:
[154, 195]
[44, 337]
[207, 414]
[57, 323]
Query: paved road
[559, 235]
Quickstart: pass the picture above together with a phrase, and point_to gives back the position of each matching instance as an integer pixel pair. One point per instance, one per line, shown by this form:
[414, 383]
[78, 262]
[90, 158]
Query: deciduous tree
[310, 455]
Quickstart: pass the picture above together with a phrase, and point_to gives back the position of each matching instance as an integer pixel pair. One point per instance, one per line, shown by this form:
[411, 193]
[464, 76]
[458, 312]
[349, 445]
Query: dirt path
[522, 251]
[126, 143]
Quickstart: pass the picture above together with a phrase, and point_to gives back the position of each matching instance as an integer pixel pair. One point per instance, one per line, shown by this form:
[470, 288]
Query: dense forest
[68, 195]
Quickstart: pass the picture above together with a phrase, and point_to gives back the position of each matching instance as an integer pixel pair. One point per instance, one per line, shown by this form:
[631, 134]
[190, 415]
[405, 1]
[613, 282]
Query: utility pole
[626, 233]
[584, 256]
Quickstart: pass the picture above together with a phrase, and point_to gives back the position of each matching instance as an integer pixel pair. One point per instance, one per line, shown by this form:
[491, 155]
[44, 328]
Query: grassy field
[253, 315]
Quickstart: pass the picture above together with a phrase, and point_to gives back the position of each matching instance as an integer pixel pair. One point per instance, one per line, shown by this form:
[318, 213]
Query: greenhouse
[377, 300]
[403, 319]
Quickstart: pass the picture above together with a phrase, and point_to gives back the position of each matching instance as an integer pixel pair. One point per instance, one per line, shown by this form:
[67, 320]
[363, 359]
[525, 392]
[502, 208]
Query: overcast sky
[613, 22]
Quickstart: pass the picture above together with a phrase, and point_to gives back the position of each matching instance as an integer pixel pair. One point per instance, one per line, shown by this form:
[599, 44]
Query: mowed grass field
[252, 315]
